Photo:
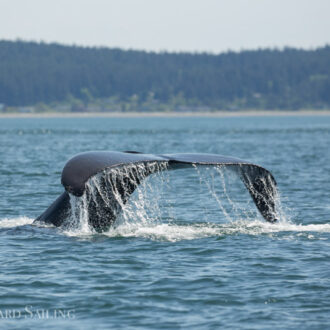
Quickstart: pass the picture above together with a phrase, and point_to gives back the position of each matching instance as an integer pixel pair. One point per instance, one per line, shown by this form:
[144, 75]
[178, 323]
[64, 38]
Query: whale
[119, 173]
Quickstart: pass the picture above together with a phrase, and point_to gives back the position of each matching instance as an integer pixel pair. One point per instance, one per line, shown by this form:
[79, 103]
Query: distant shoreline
[167, 114]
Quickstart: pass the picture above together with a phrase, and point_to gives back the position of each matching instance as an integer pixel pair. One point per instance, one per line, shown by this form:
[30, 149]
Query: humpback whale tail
[120, 173]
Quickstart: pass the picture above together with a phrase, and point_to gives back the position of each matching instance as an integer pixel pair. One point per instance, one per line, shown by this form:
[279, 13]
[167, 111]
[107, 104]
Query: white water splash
[15, 222]
[172, 232]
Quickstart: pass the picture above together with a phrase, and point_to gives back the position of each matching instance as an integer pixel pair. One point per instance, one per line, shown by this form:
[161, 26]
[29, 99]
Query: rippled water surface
[190, 250]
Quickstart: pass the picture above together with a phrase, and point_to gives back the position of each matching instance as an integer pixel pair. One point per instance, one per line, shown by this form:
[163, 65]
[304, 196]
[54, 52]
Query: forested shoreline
[48, 77]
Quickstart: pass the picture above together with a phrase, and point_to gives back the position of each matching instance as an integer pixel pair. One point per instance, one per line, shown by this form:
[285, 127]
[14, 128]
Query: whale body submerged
[119, 174]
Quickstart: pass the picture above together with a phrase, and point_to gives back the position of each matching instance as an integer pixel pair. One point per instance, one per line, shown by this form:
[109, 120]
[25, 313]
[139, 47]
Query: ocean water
[190, 251]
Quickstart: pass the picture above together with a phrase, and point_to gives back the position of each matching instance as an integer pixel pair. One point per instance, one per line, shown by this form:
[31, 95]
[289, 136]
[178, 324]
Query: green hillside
[31, 73]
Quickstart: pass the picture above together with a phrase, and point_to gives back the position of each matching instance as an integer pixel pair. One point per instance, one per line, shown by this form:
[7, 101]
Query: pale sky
[172, 25]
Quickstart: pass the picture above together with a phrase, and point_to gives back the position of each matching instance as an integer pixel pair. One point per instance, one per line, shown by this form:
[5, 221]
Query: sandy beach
[166, 114]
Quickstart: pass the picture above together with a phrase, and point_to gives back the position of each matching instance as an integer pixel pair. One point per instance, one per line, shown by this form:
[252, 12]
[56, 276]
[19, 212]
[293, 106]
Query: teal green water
[191, 251]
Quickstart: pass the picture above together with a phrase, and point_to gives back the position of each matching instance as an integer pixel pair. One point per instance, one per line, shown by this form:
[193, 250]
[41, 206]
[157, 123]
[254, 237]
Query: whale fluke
[119, 174]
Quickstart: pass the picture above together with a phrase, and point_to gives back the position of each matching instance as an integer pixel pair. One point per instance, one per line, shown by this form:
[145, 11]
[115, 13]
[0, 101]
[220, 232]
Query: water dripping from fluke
[106, 201]
[98, 186]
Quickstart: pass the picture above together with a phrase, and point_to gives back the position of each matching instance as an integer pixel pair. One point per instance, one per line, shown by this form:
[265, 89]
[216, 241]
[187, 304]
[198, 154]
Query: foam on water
[172, 232]
[176, 232]
[15, 222]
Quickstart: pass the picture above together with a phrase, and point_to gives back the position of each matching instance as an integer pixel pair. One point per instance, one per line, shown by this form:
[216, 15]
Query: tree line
[289, 78]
